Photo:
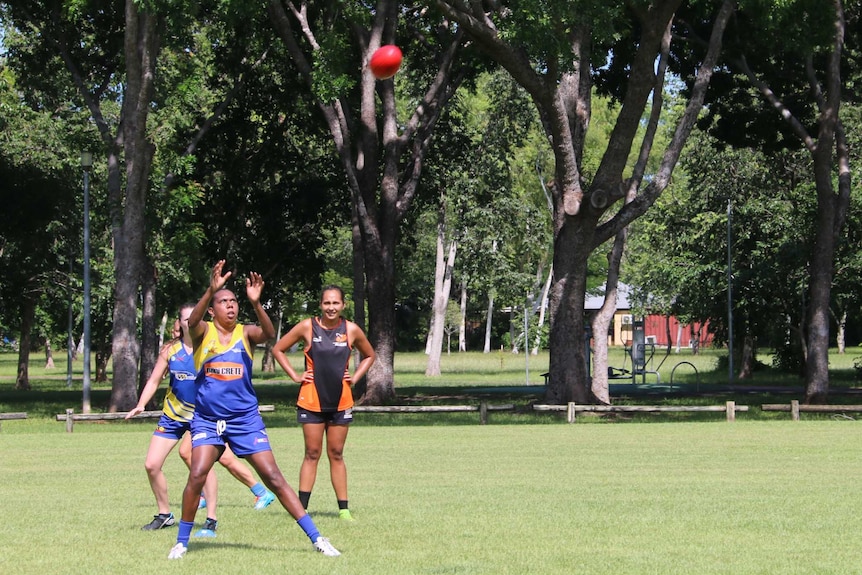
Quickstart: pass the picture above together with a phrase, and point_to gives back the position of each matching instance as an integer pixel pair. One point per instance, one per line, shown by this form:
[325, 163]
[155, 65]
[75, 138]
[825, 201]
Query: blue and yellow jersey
[224, 376]
[180, 400]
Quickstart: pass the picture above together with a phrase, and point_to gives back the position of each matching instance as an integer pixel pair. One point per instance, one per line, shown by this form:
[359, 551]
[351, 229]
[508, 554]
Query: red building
[658, 329]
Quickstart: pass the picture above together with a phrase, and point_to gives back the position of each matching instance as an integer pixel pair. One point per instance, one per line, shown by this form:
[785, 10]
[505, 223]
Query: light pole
[69, 342]
[86, 164]
[729, 294]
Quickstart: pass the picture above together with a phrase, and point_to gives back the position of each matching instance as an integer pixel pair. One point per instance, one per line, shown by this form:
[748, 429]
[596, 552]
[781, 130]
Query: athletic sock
[185, 532]
[309, 527]
[304, 497]
[258, 489]
[342, 504]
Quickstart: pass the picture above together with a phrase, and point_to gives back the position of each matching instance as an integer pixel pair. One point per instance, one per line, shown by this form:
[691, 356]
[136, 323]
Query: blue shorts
[245, 435]
[343, 417]
[171, 428]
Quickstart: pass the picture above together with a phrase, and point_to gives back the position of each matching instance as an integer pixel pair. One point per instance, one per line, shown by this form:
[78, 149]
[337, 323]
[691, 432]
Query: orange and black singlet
[328, 357]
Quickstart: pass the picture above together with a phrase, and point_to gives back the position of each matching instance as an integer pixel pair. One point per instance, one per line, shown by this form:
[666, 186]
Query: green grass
[440, 494]
[669, 498]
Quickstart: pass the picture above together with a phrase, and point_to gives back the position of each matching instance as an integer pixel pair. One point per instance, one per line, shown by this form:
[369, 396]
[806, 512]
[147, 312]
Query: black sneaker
[209, 528]
[160, 521]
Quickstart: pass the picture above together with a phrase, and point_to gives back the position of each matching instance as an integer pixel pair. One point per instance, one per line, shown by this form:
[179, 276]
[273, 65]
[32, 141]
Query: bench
[572, 409]
[12, 415]
[70, 417]
[483, 409]
[795, 408]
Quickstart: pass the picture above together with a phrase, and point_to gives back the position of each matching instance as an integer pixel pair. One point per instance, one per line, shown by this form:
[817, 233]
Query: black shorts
[344, 417]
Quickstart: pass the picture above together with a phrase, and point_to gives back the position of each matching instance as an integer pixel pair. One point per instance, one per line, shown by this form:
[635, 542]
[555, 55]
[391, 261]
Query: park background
[521, 158]
[449, 199]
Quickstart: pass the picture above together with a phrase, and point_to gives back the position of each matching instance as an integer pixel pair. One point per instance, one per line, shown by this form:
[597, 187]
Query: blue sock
[185, 532]
[258, 489]
[309, 527]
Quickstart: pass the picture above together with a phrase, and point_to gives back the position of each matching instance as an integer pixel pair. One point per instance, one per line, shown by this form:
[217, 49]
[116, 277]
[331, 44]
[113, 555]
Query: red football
[385, 61]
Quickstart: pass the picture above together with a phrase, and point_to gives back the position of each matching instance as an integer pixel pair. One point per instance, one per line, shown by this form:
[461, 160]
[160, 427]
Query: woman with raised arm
[226, 406]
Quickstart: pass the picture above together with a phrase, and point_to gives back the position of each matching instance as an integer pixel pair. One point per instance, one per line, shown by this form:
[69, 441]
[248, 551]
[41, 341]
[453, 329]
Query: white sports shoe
[178, 551]
[324, 546]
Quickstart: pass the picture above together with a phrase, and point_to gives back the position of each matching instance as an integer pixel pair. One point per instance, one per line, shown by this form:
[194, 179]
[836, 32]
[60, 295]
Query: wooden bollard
[483, 412]
[731, 411]
[69, 421]
[571, 414]
[794, 409]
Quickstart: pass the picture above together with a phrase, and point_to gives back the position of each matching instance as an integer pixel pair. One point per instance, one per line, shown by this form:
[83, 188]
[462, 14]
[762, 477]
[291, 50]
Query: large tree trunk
[819, 291]
[568, 362]
[141, 48]
[28, 316]
[381, 324]
[359, 291]
[831, 214]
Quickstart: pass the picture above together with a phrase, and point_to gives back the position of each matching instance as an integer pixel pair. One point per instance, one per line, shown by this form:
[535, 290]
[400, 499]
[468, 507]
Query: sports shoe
[263, 501]
[160, 521]
[208, 530]
[202, 504]
[178, 551]
[324, 546]
[344, 515]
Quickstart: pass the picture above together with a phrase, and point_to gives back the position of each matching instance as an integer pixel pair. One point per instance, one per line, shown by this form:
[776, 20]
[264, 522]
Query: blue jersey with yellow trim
[224, 389]
[180, 399]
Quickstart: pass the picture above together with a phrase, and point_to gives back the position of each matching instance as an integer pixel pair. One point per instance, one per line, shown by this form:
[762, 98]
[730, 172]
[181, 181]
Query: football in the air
[385, 61]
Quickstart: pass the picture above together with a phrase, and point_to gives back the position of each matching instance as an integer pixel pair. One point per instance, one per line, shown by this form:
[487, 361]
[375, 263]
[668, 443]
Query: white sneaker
[324, 546]
[178, 551]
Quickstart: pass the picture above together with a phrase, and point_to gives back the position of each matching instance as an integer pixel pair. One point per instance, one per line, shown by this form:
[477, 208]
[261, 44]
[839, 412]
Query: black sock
[342, 504]
[304, 496]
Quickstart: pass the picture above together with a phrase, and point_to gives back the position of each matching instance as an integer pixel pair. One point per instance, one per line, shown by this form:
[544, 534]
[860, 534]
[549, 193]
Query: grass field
[669, 498]
[440, 494]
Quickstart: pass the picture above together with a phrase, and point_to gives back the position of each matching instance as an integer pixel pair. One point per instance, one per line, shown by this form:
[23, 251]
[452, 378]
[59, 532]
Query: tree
[801, 79]
[108, 61]
[38, 198]
[382, 150]
[486, 124]
[552, 50]
[680, 258]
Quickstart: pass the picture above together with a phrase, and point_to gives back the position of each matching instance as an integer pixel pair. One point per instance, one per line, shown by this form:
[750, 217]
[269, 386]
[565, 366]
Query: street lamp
[69, 341]
[729, 294]
[86, 164]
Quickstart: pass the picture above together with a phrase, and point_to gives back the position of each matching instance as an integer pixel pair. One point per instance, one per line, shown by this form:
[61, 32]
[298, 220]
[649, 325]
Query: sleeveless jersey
[328, 357]
[224, 389]
[180, 399]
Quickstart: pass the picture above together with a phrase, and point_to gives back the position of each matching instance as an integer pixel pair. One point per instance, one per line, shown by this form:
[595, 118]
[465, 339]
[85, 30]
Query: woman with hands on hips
[325, 402]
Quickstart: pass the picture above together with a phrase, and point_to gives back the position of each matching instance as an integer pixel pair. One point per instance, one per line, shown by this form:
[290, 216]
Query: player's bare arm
[218, 279]
[264, 330]
[299, 332]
